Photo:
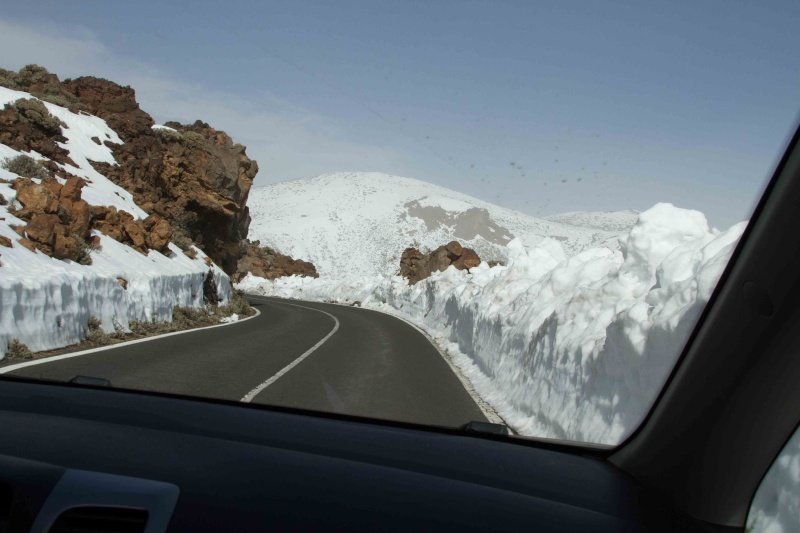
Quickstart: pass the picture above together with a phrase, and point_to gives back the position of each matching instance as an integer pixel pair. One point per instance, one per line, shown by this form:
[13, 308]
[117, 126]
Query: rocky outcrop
[416, 266]
[194, 176]
[24, 133]
[266, 263]
[193, 180]
[59, 221]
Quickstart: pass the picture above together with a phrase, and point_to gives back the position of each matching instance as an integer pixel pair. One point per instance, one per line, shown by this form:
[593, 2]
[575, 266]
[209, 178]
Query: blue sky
[542, 108]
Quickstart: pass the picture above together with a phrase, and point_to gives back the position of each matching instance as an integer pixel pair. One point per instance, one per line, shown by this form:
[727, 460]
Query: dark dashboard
[92, 457]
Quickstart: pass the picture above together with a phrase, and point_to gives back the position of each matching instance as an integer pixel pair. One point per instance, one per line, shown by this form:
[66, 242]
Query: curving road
[298, 354]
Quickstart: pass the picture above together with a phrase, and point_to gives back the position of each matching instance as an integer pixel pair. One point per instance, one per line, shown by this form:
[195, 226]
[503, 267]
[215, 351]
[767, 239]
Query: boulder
[416, 266]
[40, 228]
[266, 263]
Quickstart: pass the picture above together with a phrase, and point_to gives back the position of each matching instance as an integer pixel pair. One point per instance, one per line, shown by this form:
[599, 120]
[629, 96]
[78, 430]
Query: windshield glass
[437, 213]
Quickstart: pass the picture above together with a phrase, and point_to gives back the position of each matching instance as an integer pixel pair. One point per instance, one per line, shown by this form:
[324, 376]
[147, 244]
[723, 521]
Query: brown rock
[27, 244]
[136, 235]
[470, 258]
[269, 264]
[79, 218]
[40, 228]
[455, 249]
[5, 241]
[34, 197]
[416, 266]
[123, 283]
[159, 235]
[71, 190]
[66, 247]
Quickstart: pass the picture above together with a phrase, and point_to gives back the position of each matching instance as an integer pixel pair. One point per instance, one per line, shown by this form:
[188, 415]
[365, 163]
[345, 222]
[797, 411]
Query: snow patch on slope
[566, 346]
[357, 224]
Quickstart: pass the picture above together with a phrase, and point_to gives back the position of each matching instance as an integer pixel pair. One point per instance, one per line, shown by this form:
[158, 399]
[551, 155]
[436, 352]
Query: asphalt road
[357, 362]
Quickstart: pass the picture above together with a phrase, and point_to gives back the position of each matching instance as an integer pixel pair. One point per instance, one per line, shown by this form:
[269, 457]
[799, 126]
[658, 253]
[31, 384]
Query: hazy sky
[540, 107]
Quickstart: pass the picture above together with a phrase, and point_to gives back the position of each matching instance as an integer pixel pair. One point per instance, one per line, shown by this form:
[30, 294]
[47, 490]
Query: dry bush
[25, 166]
[17, 350]
[34, 111]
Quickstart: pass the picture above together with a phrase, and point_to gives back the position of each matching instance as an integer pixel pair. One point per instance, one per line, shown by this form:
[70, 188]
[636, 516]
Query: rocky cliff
[192, 176]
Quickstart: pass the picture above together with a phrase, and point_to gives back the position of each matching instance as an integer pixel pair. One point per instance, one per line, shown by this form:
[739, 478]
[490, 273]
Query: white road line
[11, 368]
[253, 393]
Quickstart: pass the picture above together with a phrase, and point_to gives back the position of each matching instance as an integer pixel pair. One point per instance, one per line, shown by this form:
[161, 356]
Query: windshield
[438, 213]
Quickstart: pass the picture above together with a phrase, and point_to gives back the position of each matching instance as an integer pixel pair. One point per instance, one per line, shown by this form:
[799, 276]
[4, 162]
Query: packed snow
[776, 505]
[45, 303]
[356, 224]
[563, 345]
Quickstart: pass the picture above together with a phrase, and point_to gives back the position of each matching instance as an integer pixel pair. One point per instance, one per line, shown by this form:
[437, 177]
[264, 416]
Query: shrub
[192, 139]
[25, 166]
[17, 350]
[55, 94]
[8, 79]
[168, 135]
[181, 239]
[34, 111]
[237, 305]
[30, 74]
[97, 337]
[84, 250]
[189, 317]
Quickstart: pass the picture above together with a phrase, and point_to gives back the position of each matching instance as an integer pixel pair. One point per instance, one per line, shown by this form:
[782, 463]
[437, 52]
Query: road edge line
[51, 359]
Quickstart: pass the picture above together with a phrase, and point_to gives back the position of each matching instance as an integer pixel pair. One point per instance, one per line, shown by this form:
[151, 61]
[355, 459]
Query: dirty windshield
[439, 213]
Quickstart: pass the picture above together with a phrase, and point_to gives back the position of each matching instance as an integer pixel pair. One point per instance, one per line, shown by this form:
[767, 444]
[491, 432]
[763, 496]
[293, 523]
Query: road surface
[307, 355]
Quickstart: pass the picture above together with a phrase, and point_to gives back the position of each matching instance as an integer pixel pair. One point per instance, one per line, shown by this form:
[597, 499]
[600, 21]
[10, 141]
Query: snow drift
[562, 347]
[46, 303]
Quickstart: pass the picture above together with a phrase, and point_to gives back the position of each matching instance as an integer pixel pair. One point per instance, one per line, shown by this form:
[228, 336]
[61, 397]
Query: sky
[539, 107]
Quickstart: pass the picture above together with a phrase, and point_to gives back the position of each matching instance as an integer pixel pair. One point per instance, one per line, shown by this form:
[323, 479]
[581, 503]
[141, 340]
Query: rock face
[192, 179]
[416, 266]
[193, 176]
[58, 221]
[269, 264]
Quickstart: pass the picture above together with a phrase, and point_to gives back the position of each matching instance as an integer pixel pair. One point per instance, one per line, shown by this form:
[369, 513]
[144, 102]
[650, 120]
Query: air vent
[100, 520]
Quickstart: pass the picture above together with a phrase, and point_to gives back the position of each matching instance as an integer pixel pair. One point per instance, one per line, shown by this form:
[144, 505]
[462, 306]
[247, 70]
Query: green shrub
[168, 135]
[34, 111]
[8, 79]
[192, 139]
[55, 94]
[17, 350]
[30, 74]
[25, 166]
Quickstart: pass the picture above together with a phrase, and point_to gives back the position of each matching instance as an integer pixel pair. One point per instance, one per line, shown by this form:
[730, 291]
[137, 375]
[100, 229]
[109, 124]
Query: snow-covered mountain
[621, 221]
[358, 224]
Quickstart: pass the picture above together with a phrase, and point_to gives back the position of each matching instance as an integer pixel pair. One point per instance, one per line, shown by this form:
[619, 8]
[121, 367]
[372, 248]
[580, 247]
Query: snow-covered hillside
[46, 303]
[562, 346]
[358, 224]
[603, 220]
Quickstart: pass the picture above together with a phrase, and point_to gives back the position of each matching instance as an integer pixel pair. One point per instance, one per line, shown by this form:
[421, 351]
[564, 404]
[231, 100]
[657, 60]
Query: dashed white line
[253, 393]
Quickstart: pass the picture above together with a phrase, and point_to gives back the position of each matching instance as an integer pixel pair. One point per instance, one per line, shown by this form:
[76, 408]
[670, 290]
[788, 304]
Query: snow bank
[776, 507]
[46, 303]
[562, 347]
